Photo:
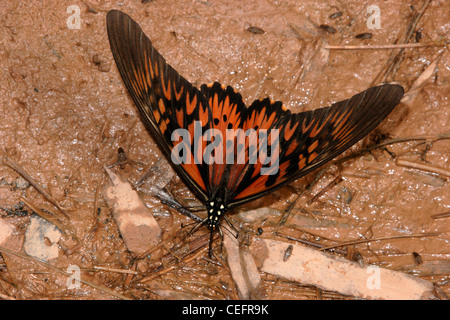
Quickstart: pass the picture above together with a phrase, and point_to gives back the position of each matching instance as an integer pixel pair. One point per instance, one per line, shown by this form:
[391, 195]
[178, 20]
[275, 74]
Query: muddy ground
[65, 112]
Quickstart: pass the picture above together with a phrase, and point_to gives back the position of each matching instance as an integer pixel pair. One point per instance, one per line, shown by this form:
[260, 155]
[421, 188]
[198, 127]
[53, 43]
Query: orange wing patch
[167, 89]
[190, 105]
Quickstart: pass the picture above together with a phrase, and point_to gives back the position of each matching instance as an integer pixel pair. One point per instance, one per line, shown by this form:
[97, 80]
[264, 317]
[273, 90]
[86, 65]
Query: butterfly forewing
[166, 100]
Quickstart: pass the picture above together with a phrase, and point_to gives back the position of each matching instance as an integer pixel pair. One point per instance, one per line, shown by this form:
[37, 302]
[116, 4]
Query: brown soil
[66, 112]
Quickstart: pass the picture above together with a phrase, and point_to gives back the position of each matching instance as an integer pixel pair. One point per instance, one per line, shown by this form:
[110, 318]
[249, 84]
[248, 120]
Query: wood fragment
[242, 267]
[426, 74]
[333, 273]
[136, 223]
[423, 166]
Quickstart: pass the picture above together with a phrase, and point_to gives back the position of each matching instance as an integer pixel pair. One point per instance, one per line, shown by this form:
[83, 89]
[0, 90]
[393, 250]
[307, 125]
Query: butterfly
[176, 113]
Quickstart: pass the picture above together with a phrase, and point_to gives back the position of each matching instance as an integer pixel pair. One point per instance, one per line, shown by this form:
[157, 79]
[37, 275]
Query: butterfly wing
[304, 141]
[309, 139]
[166, 100]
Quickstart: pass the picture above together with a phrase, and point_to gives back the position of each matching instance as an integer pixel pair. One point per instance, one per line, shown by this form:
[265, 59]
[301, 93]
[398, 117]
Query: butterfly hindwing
[227, 110]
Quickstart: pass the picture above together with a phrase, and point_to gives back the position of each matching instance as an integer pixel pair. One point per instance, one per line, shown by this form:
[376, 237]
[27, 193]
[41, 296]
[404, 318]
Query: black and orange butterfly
[168, 102]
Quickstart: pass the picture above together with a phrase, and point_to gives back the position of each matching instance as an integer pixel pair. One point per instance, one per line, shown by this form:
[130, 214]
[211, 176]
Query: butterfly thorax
[216, 210]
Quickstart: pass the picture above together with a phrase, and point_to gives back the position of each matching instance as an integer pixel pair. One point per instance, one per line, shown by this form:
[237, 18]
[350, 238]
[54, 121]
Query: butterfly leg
[232, 227]
[195, 228]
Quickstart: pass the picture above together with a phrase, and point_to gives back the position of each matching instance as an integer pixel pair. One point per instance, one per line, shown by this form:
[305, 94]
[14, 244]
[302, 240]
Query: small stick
[386, 46]
[116, 270]
[422, 166]
[309, 243]
[440, 215]
[380, 239]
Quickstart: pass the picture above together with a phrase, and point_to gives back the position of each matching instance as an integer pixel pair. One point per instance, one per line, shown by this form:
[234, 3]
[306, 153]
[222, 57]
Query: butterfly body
[227, 153]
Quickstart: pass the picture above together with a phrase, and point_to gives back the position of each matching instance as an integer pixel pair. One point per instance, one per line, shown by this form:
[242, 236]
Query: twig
[426, 74]
[440, 215]
[386, 46]
[412, 25]
[348, 243]
[115, 270]
[422, 166]
[309, 243]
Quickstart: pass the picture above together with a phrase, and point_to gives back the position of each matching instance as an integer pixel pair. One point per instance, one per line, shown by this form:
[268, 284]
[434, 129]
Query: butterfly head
[216, 209]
